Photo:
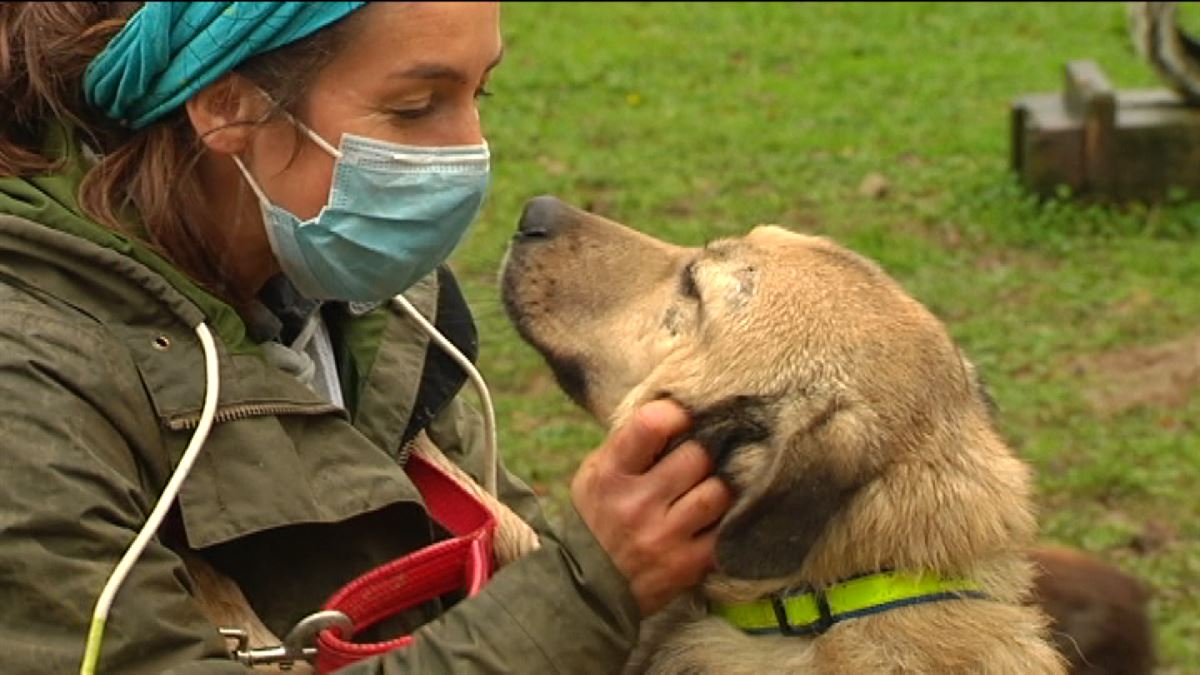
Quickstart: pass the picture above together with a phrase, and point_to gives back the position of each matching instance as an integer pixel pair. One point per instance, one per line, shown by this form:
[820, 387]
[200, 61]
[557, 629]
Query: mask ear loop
[485, 397]
[258, 192]
[316, 138]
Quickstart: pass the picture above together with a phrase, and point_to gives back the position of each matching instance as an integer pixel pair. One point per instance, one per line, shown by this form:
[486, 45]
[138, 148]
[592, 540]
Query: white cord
[91, 652]
[306, 333]
[489, 412]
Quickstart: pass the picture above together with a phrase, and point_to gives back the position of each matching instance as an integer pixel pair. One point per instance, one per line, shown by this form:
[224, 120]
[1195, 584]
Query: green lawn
[698, 121]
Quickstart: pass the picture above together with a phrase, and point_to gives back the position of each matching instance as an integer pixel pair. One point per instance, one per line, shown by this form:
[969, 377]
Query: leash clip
[298, 645]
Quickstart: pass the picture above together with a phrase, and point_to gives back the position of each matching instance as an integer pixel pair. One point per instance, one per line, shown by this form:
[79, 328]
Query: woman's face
[411, 73]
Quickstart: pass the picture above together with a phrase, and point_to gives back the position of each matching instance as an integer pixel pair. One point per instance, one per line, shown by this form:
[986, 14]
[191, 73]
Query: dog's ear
[796, 484]
[736, 422]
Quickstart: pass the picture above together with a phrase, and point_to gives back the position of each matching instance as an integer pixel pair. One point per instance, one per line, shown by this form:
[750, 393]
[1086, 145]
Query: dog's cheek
[571, 376]
[771, 535]
[732, 426]
[740, 467]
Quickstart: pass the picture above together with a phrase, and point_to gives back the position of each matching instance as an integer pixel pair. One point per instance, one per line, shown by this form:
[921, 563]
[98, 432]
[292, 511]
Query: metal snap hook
[303, 636]
[298, 645]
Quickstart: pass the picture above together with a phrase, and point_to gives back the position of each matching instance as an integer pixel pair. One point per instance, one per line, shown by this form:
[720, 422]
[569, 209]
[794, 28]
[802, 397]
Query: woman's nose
[468, 127]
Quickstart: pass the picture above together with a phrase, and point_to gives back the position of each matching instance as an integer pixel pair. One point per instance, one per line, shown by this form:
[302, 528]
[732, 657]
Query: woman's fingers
[653, 519]
[680, 470]
[636, 444]
[702, 506]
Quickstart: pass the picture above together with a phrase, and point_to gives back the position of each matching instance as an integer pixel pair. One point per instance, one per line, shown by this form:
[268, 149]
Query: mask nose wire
[485, 397]
[212, 384]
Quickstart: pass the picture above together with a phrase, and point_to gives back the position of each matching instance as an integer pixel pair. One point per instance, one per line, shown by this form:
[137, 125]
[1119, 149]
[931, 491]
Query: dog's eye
[687, 281]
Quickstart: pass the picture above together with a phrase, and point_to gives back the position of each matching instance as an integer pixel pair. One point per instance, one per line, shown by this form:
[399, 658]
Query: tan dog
[839, 409]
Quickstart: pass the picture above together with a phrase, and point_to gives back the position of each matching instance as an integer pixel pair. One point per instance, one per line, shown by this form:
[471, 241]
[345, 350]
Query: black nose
[541, 217]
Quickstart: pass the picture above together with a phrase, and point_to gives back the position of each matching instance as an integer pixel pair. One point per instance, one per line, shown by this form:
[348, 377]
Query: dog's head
[810, 374]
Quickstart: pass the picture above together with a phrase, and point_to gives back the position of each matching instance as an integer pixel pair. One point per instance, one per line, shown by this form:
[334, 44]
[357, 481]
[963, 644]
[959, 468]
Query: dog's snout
[541, 217]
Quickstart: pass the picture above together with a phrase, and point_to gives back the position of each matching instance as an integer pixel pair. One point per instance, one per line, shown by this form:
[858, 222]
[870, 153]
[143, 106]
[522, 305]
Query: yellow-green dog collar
[813, 612]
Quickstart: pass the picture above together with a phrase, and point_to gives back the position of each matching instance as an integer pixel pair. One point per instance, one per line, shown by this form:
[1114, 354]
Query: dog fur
[1098, 613]
[851, 427]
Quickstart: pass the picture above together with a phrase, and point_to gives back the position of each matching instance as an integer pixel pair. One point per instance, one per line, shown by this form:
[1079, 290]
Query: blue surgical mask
[394, 213]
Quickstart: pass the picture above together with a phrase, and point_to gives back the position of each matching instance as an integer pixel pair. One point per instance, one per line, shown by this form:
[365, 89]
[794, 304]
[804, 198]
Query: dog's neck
[811, 612]
[966, 537]
[991, 577]
[722, 588]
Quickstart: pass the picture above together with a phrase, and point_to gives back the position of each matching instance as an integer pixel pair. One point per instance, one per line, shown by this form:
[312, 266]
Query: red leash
[462, 562]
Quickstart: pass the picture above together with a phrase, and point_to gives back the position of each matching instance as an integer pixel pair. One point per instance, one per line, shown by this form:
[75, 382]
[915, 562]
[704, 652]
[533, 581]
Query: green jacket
[101, 381]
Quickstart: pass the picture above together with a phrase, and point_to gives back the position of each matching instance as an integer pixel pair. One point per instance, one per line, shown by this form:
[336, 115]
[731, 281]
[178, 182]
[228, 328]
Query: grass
[693, 122]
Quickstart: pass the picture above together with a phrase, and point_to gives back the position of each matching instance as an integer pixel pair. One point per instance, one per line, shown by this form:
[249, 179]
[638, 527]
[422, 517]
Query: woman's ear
[225, 113]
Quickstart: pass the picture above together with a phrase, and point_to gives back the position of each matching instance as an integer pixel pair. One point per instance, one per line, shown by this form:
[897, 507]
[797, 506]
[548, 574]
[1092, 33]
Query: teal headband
[168, 51]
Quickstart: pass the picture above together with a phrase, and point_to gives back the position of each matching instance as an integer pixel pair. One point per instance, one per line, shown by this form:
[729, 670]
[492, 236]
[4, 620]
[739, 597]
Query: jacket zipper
[237, 412]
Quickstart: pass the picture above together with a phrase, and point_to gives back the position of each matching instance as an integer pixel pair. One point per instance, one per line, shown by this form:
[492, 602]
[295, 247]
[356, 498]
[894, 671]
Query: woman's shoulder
[42, 335]
[42, 321]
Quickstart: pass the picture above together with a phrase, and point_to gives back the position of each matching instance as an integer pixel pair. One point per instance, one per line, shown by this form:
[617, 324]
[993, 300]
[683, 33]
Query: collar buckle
[824, 621]
[781, 617]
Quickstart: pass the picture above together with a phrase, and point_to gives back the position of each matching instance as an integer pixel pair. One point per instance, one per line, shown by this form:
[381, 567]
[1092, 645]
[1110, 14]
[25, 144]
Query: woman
[269, 174]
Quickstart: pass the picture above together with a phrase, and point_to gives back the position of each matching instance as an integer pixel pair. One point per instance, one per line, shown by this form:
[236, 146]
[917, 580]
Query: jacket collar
[50, 200]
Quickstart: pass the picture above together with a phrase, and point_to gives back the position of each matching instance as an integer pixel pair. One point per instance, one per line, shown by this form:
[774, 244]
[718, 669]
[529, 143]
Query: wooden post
[1106, 144]
[1089, 97]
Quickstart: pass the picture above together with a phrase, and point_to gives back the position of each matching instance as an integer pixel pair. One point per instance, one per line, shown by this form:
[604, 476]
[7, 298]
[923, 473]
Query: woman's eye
[413, 107]
[412, 113]
[418, 110]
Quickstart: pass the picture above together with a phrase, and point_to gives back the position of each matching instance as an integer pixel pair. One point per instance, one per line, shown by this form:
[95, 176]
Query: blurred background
[886, 127]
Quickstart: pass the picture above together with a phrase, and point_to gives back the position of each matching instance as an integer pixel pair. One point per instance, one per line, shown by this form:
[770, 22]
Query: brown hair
[148, 174]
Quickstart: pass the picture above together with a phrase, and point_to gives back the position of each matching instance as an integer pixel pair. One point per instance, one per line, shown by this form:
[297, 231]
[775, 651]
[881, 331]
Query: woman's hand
[652, 518]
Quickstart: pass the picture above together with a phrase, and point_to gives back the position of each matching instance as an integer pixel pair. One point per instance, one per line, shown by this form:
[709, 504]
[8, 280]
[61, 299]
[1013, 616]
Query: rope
[514, 537]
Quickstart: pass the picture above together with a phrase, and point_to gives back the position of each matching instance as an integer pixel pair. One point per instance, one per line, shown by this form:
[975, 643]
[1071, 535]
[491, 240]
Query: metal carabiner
[298, 645]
